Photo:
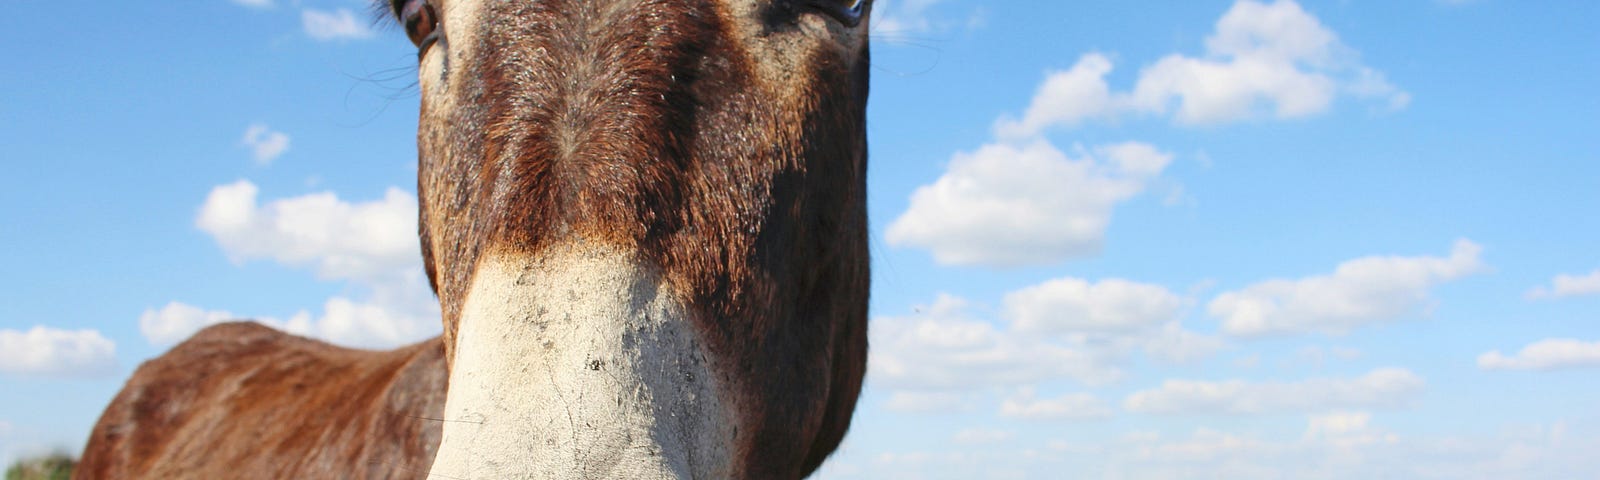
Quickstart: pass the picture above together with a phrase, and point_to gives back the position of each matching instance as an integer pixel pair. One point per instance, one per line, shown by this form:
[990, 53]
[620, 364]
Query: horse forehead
[599, 102]
[481, 25]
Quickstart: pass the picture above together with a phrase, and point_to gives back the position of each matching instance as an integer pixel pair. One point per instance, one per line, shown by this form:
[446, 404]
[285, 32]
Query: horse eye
[847, 12]
[422, 23]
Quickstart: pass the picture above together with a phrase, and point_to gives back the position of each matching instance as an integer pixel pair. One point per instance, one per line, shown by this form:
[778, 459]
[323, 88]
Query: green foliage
[52, 467]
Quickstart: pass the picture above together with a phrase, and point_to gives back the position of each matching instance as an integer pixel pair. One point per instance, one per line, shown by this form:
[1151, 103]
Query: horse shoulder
[240, 400]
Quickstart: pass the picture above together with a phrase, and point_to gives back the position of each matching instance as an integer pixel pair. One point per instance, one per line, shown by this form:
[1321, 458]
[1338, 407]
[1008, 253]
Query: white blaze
[580, 364]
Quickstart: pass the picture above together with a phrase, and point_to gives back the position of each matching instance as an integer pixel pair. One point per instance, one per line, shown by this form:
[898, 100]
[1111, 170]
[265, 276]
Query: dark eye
[421, 21]
[847, 12]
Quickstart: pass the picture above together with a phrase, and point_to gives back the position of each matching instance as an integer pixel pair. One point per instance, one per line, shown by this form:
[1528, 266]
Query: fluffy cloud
[1548, 354]
[177, 321]
[264, 143]
[1068, 98]
[339, 24]
[944, 348]
[1358, 292]
[1386, 387]
[1072, 406]
[1263, 59]
[373, 245]
[1074, 305]
[45, 351]
[1010, 205]
[360, 241]
[1565, 285]
[343, 321]
[936, 359]
[1115, 314]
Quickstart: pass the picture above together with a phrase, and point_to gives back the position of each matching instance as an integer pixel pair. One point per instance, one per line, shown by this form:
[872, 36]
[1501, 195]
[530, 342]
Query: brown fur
[646, 125]
[239, 400]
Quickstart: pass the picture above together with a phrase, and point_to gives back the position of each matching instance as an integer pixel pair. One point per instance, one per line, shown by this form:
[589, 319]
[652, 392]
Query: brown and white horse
[645, 221]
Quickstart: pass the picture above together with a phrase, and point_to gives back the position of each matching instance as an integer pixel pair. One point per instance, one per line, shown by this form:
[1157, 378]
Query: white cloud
[371, 244]
[265, 144]
[1072, 406]
[361, 241]
[1074, 305]
[383, 322]
[1172, 343]
[1066, 99]
[934, 360]
[1330, 446]
[254, 3]
[343, 321]
[1206, 446]
[177, 321]
[1338, 423]
[1273, 57]
[943, 348]
[1359, 292]
[1385, 387]
[340, 24]
[1263, 59]
[1115, 314]
[1011, 205]
[980, 436]
[1547, 354]
[895, 20]
[926, 402]
[1566, 285]
[45, 351]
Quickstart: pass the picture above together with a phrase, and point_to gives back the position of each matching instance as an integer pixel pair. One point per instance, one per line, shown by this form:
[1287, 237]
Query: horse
[645, 223]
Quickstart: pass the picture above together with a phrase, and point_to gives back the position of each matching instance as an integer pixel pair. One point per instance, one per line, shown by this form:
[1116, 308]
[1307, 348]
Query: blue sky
[1326, 239]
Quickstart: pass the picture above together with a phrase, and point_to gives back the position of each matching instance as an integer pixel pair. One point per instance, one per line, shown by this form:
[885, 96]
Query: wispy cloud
[1566, 285]
[894, 19]
[1548, 354]
[1358, 292]
[1385, 387]
[981, 436]
[944, 347]
[255, 3]
[265, 144]
[932, 359]
[1072, 406]
[927, 402]
[339, 24]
